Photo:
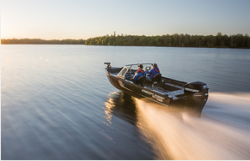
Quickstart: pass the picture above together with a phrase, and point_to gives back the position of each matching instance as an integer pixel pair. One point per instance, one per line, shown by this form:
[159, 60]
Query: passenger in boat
[138, 73]
[152, 72]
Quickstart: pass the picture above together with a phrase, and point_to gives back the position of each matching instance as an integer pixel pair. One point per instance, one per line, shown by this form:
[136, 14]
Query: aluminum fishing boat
[163, 90]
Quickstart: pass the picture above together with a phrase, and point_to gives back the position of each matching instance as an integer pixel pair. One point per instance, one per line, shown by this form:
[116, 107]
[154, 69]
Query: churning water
[221, 133]
[56, 103]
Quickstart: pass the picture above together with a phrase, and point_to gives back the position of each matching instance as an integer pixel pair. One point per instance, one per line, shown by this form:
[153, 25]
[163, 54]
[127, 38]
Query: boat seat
[141, 80]
[156, 79]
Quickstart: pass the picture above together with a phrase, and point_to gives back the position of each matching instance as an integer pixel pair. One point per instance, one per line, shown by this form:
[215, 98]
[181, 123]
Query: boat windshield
[135, 66]
[131, 69]
[123, 72]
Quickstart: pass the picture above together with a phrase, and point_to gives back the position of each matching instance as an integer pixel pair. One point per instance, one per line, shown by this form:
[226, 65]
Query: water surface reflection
[121, 105]
[52, 104]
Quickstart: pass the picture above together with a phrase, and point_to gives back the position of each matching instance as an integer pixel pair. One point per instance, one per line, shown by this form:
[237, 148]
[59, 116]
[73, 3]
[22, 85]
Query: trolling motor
[108, 65]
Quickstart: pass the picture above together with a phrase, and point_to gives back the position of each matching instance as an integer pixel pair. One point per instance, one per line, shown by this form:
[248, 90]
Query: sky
[83, 19]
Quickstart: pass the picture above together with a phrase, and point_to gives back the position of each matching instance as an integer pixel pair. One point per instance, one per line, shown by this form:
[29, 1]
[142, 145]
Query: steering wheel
[147, 68]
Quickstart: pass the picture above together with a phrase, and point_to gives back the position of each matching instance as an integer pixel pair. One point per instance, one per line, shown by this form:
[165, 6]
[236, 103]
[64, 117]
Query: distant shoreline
[133, 46]
[175, 40]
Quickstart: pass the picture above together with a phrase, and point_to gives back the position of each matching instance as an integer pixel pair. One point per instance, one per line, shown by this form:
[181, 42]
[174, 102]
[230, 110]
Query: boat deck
[165, 87]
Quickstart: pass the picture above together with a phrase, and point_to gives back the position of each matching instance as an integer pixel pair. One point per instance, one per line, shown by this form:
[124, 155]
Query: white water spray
[222, 132]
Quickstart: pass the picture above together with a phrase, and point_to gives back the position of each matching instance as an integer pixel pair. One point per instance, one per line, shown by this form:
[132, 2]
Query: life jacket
[157, 70]
[140, 71]
[139, 74]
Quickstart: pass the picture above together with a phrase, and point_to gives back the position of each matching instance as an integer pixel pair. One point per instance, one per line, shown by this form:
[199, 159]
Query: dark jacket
[153, 72]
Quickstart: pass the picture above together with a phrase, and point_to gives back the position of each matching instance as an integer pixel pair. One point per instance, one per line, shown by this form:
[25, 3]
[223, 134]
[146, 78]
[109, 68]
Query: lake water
[57, 103]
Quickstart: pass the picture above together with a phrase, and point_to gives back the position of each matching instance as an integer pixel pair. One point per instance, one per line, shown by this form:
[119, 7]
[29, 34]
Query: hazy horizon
[64, 19]
[111, 35]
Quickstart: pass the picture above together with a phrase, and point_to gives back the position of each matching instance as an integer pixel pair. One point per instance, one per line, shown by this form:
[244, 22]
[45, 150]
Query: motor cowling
[194, 89]
[197, 95]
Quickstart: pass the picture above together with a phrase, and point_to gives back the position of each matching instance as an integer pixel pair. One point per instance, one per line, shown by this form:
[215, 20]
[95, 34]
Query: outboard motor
[197, 95]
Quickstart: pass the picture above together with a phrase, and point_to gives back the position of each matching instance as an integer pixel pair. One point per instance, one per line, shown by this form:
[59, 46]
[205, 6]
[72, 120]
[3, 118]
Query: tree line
[174, 40]
[40, 41]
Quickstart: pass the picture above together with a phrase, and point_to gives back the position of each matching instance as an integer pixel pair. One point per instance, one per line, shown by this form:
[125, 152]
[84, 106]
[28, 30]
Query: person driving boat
[150, 74]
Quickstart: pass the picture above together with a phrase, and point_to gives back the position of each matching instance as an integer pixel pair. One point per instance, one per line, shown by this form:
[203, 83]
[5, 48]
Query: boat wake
[222, 132]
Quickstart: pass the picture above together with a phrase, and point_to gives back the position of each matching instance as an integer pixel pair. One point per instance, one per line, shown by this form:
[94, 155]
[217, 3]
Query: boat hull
[137, 90]
[187, 102]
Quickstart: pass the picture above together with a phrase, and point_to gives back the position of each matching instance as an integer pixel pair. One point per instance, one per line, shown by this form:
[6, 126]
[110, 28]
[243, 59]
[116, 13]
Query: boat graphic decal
[155, 96]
